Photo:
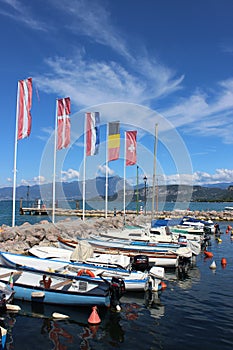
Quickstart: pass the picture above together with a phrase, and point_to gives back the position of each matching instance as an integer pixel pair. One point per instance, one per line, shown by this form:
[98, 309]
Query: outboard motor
[140, 263]
[217, 231]
[2, 302]
[207, 230]
[117, 289]
[206, 241]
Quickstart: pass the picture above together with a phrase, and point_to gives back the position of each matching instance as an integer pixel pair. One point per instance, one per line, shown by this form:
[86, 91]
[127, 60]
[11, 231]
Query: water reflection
[8, 321]
[57, 334]
[154, 305]
[182, 278]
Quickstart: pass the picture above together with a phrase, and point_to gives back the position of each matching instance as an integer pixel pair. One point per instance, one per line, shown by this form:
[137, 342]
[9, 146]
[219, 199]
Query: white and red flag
[24, 103]
[63, 123]
[130, 145]
[92, 133]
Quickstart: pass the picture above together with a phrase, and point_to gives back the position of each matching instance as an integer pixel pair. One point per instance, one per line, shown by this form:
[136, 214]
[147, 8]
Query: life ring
[86, 272]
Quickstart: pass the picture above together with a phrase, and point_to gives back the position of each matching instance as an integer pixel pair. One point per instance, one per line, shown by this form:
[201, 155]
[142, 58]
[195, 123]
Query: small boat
[163, 259]
[174, 229]
[191, 221]
[137, 279]
[55, 288]
[228, 208]
[97, 241]
[83, 253]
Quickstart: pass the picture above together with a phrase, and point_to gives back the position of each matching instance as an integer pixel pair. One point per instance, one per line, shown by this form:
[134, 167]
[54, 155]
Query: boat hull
[165, 259]
[28, 285]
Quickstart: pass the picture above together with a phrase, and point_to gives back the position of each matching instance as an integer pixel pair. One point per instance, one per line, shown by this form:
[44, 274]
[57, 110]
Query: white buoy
[213, 265]
[118, 308]
[58, 315]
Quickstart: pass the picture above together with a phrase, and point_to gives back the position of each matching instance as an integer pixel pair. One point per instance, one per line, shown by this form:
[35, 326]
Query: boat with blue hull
[135, 279]
[54, 288]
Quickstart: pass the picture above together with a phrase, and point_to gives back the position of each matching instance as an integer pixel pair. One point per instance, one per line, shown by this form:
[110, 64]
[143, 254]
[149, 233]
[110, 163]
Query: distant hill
[72, 190]
[95, 188]
[223, 185]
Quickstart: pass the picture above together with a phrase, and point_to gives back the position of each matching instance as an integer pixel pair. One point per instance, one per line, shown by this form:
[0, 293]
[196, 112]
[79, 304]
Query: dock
[34, 211]
[69, 212]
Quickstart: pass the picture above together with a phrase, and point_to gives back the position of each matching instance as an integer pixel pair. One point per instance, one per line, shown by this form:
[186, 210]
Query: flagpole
[137, 193]
[15, 161]
[54, 166]
[154, 171]
[84, 166]
[124, 177]
[106, 174]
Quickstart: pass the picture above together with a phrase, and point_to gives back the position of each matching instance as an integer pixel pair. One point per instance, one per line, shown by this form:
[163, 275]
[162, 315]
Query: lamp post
[145, 180]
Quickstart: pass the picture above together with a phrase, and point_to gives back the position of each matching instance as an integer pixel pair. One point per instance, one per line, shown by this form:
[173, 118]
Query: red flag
[63, 123]
[24, 103]
[130, 145]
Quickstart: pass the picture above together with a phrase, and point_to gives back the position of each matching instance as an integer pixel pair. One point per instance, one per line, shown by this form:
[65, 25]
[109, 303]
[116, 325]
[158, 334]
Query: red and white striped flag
[130, 145]
[63, 123]
[24, 103]
[92, 133]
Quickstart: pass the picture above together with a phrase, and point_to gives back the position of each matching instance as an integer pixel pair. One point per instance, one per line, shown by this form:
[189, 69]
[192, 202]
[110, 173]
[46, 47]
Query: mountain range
[95, 188]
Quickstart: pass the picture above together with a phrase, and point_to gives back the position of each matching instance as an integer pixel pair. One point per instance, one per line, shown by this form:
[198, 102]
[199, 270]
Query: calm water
[6, 209]
[193, 312]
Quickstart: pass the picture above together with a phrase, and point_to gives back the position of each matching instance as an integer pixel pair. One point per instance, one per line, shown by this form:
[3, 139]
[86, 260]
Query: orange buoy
[208, 254]
[224, 261]
[163, 285]
[86, 272]
[94, 317]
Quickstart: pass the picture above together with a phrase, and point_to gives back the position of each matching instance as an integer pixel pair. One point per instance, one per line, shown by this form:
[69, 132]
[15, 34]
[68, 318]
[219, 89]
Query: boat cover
[82, 252]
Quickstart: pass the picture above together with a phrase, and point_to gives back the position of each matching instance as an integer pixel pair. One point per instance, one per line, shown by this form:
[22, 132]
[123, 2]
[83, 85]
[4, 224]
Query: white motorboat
[164, 259]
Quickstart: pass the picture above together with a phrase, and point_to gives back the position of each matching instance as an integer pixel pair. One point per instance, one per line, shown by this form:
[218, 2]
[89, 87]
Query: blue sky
[140, 62]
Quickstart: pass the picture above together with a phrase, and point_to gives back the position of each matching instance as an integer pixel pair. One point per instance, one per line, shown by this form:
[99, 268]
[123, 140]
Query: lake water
[6, 209]
[194, 312]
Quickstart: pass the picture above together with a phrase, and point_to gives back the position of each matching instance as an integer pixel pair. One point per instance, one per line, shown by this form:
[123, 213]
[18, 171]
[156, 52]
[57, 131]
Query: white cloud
[221, 175]
[37, 180]
[198, 178]
[70, 174]
[102, 170]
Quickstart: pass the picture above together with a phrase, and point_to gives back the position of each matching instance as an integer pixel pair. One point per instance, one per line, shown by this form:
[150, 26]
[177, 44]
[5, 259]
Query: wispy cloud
[138, 78]
[135, 78]
[94, 21]
[207, 115]
[16, 10]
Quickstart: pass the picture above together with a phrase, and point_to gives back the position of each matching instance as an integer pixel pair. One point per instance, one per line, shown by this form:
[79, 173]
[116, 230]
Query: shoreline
[19, 239]
[224, 215]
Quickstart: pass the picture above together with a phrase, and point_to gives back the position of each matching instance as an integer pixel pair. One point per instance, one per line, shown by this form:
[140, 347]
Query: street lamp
[145, 180]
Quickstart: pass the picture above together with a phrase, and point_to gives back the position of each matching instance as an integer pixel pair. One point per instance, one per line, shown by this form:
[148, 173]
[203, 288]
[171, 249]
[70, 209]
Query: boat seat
[9, 273]
[61, 284]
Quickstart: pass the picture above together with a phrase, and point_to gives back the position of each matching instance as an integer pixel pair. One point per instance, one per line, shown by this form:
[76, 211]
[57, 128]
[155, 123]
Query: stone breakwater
[19, 239]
